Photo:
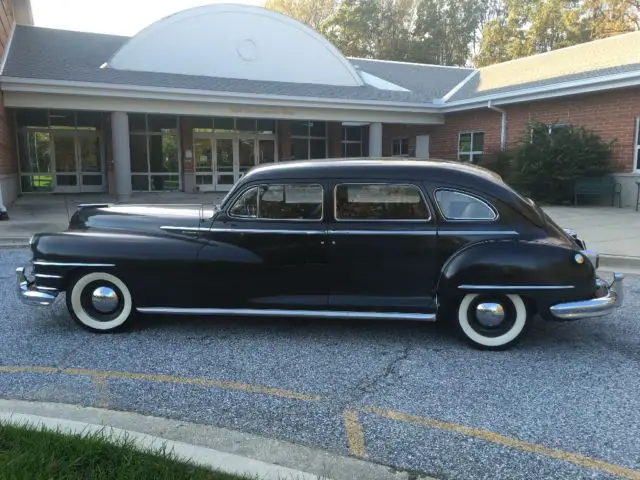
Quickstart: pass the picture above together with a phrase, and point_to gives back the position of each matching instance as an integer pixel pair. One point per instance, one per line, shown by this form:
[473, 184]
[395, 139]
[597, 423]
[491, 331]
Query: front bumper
[30, 294]
[599, 306]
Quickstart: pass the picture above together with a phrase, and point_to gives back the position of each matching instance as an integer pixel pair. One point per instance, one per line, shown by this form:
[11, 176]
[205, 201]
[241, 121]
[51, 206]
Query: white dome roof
[236, 41]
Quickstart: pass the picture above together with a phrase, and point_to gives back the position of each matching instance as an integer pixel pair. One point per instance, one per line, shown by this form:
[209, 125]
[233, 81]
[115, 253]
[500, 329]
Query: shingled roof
[600, 58]
[62, 55]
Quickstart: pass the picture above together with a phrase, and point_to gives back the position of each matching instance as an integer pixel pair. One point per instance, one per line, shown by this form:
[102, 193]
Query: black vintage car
[367, 239]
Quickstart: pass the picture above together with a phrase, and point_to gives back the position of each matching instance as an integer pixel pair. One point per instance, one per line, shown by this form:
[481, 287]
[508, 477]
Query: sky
[117, 17]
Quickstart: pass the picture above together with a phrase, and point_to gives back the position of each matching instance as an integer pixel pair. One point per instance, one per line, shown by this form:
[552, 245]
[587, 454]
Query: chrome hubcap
[104, 299]
[490, 314]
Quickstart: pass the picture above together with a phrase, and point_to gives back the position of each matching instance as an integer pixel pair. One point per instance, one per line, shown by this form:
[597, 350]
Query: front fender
[542, 272]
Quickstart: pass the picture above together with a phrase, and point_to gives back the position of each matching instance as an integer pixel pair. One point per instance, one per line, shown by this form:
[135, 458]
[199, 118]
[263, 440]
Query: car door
[382, 247]
[268, 249]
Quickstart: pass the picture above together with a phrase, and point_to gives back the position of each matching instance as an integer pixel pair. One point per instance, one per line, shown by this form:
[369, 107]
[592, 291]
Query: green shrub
[498, 161]
[545, 165]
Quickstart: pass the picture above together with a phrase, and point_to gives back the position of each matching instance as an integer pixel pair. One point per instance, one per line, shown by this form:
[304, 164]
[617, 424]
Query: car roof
[383, 168]
[446, 173]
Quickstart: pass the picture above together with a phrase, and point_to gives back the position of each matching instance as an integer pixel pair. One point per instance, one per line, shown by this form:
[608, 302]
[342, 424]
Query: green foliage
[40, 454]
[545, 165]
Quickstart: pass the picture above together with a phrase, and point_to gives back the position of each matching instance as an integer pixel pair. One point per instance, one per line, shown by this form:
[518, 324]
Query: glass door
[90, 159]
[65, 163]
[246, 155]
[203, 153]
[225, 171]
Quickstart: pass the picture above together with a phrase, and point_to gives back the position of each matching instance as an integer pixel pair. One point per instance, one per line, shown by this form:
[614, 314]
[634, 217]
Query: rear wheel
[492, 321]
[100, 302]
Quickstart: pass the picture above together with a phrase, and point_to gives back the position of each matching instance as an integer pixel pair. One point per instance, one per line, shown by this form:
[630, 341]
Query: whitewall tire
[492, 321]
[100, 302]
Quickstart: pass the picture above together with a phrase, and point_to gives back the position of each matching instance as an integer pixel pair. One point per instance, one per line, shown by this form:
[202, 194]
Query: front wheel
[492, 321]
[99, 302]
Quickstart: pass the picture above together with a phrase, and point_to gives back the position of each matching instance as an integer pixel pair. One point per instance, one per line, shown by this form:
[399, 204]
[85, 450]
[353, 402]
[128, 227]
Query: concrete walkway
[218, 448]
[613, 232]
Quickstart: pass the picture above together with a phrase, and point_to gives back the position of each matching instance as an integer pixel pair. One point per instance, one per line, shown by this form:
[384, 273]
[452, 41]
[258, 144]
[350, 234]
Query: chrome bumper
[594, 307]
[29, 293]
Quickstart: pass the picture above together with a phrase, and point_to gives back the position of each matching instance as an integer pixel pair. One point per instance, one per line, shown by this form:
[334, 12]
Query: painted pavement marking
[353, 427]
[164, 378]
[575, 458]
[355, 434]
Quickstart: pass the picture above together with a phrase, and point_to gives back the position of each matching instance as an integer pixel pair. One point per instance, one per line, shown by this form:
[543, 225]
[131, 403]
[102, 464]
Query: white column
[121, 154]
[375, 139]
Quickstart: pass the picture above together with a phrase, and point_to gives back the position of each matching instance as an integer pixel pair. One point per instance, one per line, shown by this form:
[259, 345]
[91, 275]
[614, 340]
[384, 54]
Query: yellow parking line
[575, 458]
[164, 378]
[355, 434]
[102, 391]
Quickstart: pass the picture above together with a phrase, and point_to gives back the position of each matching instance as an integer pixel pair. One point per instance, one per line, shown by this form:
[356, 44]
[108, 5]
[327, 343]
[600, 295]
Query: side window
[462, 206]
[280, 202]
[379, 202]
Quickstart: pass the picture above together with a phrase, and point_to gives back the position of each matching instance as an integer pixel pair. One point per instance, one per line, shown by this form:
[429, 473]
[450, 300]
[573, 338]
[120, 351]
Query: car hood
[138, 217]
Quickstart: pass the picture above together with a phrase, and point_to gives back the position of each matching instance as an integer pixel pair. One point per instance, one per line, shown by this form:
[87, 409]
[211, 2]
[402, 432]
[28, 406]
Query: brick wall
[609, 114]
[8, 163]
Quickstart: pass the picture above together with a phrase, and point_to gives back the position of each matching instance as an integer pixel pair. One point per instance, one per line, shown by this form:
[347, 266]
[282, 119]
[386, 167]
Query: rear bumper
[593, 307]
[30, 294]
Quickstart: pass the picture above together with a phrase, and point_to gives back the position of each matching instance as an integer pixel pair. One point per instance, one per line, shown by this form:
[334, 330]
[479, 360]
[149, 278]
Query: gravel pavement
[563, 404]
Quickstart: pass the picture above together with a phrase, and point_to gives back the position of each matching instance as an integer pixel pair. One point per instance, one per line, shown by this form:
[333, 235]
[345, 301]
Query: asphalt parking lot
[563, 404]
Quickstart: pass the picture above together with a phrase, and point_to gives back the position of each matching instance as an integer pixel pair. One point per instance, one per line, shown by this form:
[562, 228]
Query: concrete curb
[225, 462]
[226, 450]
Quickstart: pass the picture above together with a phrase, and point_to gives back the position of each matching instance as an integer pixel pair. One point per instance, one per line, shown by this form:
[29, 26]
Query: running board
[251, 312]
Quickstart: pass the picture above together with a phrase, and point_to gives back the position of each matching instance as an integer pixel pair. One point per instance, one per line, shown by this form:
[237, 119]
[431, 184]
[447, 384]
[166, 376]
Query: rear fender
[542, 272]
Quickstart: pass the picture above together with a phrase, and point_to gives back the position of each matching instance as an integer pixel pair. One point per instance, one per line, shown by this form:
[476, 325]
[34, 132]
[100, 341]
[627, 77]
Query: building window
[154, 149]
[400, 147]
[308, 140]
[470, 146]
[351, 141]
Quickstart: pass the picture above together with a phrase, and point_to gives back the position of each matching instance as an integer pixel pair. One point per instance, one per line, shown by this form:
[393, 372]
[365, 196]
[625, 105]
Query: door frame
[235, 138]
[79, 187]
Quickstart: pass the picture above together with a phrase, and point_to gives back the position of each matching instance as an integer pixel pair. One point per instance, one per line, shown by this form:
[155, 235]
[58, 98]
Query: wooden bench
[598, 186]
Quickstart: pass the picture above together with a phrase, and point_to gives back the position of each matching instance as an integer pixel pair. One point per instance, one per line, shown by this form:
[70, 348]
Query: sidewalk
[219, 448]
[613, 232]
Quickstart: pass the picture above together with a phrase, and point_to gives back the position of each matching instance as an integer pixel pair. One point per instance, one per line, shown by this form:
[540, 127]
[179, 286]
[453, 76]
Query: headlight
[579, 258]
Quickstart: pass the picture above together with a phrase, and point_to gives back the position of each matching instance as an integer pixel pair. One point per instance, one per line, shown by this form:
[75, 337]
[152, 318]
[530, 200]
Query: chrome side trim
[71, 264]
[28, 294]
[52, 289]
[269, 231]
[593, 307]
[477, 232]
[384, 232]
[46, 275]
[515, 287]
[171, 228]
[425, 317]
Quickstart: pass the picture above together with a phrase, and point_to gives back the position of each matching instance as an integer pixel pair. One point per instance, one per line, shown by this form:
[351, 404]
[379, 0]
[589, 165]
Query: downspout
[503, 125]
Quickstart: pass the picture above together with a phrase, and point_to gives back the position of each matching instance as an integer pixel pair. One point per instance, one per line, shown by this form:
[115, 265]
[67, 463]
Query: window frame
[423, 197]
[147, 134]
[471, 153]
[346, 141]
[467, 194]
[242, 191]
[400, 139]
[308, 137]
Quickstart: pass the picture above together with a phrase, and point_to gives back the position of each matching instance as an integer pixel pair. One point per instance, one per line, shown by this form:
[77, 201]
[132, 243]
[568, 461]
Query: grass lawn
[40, 454]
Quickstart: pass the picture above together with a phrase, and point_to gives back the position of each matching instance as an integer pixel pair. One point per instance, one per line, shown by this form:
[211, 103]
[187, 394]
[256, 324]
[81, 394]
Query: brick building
[194, 100]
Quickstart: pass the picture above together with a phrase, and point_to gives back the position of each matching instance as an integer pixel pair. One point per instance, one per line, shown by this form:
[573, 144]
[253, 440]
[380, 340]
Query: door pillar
[375, 139]
[121, 154]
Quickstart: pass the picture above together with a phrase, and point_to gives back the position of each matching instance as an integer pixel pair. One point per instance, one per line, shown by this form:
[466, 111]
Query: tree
[546, 164]
[445, 30]
[312, 12]
[603, 19]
